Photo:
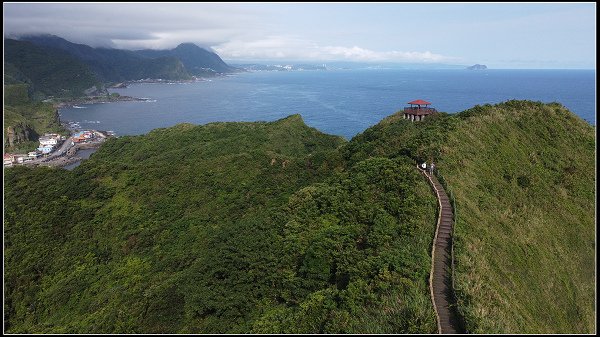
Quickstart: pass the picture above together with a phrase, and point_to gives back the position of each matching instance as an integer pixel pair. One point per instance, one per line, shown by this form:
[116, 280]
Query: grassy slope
[523, 175]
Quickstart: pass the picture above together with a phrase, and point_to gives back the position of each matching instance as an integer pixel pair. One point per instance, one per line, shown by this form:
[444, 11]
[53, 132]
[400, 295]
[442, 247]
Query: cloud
[294, 48]
[360, 32]
[132, 25]
[237, 31]
[360, 54]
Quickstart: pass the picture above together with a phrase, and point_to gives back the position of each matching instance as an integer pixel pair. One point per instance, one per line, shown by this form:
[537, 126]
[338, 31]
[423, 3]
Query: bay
[340, 102]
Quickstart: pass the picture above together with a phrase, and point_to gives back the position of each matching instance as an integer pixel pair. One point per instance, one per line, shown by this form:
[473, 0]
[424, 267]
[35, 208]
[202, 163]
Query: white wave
[79, 107]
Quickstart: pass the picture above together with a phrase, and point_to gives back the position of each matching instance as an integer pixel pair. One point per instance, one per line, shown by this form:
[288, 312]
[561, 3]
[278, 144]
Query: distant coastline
[96, 100]
[115, 97]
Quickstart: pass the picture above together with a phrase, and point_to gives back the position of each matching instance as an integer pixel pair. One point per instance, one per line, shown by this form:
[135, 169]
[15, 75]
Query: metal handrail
[437, 227]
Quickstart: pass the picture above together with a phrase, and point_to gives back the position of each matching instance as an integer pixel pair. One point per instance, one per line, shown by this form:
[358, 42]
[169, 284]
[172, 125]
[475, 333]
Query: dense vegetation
[277, 228]
[228, 227]
[117, 65]
[523, 174]
[107, 65]
[25, 120]
[50, 72]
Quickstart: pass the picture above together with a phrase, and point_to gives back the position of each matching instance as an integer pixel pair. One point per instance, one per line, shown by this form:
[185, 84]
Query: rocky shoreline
[114, 97]
[97, 100]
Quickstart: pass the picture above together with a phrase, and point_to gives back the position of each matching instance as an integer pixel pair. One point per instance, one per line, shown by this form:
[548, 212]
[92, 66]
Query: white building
[48, 140]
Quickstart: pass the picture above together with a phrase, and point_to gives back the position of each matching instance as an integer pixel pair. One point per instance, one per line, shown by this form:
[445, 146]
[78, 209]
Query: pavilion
[418, 110]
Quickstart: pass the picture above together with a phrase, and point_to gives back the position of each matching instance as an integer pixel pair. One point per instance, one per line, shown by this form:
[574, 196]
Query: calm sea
[340, 102]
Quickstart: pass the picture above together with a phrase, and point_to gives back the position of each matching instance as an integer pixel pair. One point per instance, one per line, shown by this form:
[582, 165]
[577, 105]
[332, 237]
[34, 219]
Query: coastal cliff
[25, 121]
[19, 133]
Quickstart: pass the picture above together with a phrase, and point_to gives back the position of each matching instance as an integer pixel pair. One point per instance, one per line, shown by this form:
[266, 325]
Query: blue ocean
[339, 102]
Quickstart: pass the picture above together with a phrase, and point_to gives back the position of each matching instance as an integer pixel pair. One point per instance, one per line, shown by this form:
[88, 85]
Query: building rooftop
[419, 102]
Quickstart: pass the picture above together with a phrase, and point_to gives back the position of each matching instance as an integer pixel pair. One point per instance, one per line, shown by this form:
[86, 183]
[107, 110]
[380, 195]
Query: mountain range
[54, 66]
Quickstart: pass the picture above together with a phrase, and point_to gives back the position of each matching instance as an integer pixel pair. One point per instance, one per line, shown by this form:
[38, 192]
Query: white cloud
[237, 31]
[293, 48]
[360, 32]
[360, 54]
[132, 25]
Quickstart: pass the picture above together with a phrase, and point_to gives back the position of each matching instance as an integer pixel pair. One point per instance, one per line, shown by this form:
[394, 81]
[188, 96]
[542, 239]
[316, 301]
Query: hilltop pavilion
[418, 110]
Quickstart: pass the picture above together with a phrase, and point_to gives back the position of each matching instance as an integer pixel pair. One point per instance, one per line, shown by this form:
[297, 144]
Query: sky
[499, 35]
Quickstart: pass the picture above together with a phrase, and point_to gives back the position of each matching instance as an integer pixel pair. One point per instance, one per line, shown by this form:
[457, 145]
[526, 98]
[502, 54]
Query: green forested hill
[228, 227]
[115, 65]
[50, 72]
[277, 228]
[523, 174]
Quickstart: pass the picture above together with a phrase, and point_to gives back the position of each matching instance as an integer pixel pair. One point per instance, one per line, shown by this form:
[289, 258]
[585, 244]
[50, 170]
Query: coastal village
[58, 150]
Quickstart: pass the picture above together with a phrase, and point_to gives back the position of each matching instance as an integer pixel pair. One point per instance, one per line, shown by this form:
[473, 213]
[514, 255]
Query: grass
[277, 228]
[523, 177]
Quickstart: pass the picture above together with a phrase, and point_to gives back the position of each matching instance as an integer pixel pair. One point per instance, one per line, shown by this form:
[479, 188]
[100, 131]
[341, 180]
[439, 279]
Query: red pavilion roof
[419, 102]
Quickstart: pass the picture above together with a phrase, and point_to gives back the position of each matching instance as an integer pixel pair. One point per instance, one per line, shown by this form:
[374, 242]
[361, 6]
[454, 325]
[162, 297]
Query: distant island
[477, 67]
